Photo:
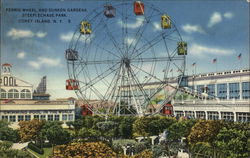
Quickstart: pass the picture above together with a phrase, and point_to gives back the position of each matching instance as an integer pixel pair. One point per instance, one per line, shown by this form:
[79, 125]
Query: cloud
[41, 34]
[202, 50]
[214, 19]
[192, 28]
[34, 64]
[129, 41]
[157, 26]
[139, 21]
[18, 33]
[45, 61]
[67, 37]
[21, 55]
[228, 15]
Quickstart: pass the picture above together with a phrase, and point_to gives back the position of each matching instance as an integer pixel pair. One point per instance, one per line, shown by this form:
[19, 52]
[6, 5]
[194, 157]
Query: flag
[214, 60]
[239, 56]
[194, 64]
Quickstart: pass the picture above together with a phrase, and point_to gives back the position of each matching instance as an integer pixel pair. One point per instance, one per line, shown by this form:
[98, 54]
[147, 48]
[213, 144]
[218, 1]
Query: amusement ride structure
[117, 51]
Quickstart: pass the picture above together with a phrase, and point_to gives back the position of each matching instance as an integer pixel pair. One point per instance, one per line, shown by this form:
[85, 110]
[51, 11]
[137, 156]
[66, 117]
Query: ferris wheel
[121, 57]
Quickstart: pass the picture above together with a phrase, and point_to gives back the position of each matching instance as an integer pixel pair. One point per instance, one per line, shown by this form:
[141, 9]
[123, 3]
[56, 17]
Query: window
[200, 88]
[234, 91]
[189, 114]
[36, 117]
[229, 116]
[13, 93]
[243, 117]
[3, 94]
[245, 90]
[211, 90]
[70, 117]
[43, 117]
[27, 117]
[57, 117]
[50, 117]
[5, 117]
[12, 118]
[25, 93]
[64, 117]
[201, 114]
[179, 113]
[222, 91]
[213, 115]
[20, 118]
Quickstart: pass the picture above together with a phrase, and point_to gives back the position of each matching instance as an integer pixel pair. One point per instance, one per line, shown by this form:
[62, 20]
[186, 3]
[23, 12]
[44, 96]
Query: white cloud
[129, 41]
[21, 55]
[157, 26]
[139, 21]
[214, 19]
[67, 37]
[228, 15]
[34, 64]
[18, 33]
[201, 50]
[192, 28]
[45, 61]
[41, 34]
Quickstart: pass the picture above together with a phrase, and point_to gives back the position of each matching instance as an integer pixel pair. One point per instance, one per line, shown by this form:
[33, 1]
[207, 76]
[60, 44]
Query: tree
[233, 142]
[7, 152]
[29, 130]
[204, 131]
[84, 150]
[7, 133]
[90, 134]
[126, 126]
[180, 129]
[146, 126]
[53, 131]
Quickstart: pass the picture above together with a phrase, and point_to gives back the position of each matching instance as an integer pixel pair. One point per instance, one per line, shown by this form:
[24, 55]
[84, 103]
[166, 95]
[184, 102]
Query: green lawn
[47, 152]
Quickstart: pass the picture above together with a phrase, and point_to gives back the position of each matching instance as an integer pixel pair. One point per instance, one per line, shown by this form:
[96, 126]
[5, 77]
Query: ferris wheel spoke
[99, 77]
[156, 59]
[140, 32]
[111, 37]
[150, 44]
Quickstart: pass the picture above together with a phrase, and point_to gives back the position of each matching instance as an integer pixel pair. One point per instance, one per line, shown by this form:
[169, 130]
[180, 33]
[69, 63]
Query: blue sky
[212, 29]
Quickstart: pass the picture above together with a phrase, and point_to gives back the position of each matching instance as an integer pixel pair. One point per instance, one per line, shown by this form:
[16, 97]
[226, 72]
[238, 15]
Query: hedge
[33, 147]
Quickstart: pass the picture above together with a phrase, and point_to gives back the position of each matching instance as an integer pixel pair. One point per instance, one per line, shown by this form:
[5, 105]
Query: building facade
[19, 103]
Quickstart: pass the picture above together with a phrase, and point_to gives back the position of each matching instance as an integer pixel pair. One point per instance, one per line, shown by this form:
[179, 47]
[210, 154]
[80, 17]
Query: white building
[17, 103]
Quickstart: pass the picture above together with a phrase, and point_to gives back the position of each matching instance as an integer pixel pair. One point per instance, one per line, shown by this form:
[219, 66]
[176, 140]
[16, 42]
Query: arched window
[13, 93]
[25, 93]
[3, 94]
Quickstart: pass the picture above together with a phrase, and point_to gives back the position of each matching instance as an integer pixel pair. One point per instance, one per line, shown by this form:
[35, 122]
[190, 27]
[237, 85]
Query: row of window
[233, 89]
[17, 118]
[15, 94]
[213, 115]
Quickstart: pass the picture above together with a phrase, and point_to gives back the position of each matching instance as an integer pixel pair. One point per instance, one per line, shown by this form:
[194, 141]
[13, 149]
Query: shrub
[33, 147]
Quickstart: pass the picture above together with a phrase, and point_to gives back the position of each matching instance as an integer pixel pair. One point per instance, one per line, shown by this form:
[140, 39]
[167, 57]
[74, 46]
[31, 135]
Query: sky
[213, 30]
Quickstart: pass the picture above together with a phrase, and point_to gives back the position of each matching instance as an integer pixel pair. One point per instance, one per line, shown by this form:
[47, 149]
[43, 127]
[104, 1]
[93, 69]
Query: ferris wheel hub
[126, 62]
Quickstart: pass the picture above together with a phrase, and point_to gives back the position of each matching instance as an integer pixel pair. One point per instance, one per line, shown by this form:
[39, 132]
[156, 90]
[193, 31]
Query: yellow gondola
[182, 48]
[85, 27]
[165, 21]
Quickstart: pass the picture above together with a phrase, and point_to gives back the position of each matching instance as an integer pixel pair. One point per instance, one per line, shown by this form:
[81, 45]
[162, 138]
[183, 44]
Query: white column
[235, 117]
[227, 91]
[206, 115]
[219, 115]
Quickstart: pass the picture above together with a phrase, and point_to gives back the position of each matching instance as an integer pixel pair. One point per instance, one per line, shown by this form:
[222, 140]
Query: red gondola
[86, 110]
[72, 84]
[167, 109]
[138, 8]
